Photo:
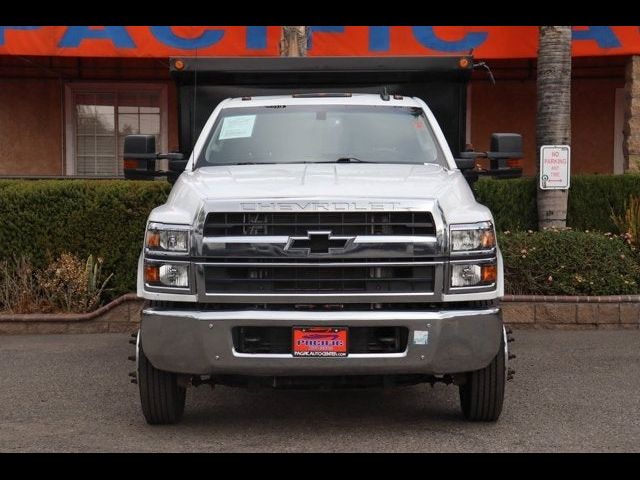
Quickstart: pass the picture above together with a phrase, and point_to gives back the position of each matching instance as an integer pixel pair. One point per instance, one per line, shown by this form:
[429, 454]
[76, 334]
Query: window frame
[74, 88]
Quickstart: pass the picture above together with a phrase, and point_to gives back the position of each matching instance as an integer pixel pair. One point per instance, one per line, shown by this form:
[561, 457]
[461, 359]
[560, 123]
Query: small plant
[72, 285]
[628, 223]
[19, 288]
[93, 270]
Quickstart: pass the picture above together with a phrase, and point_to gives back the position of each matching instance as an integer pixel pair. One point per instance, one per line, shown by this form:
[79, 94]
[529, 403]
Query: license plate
[320, 341]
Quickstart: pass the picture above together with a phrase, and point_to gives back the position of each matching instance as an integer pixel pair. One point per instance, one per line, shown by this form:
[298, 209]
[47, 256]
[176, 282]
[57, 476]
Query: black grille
[318, 279]
[221, 224]
[360, 339]
[320, 261]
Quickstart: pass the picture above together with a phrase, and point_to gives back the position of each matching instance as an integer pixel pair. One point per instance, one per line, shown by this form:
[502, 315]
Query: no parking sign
[555, 165]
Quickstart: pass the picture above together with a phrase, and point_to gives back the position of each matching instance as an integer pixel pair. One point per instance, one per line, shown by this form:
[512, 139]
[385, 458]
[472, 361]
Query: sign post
[555, 167]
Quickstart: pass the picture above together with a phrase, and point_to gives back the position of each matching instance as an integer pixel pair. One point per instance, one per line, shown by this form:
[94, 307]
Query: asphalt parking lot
[573, 391]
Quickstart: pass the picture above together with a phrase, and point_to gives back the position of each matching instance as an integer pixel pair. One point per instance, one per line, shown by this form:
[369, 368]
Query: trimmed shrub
[512, 202]
[41, 219]
[568, 263]
[592, 200]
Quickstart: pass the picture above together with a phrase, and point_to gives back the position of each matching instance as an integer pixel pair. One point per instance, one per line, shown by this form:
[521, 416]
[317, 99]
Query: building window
[98, 119]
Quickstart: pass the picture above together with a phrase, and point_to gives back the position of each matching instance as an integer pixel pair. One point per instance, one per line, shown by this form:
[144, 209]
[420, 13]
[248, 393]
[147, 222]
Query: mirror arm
[170, 156]
[472, 154]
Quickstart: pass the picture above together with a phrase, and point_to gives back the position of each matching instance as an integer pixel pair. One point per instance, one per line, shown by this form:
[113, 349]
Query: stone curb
[526, 311]
[572, 299]
[68, 317]
[122, 315]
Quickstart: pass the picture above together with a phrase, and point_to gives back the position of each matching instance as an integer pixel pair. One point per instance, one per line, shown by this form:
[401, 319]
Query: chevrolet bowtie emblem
[317, 242]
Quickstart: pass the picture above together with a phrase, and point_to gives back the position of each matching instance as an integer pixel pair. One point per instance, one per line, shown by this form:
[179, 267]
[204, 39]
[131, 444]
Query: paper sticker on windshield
[240, 126]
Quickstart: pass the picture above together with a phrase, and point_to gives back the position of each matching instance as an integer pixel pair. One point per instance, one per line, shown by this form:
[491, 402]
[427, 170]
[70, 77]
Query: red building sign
[163, 41]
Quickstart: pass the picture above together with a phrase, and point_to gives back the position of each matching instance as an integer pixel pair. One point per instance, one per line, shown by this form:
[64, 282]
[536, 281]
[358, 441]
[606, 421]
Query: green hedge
[512, 202]
[591, 200]
[568, 263]
[43, 218]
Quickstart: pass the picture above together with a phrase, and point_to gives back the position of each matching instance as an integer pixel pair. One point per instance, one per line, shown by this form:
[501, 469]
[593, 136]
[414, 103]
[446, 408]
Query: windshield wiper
[352, 160]
[238, 163]
[343, 160]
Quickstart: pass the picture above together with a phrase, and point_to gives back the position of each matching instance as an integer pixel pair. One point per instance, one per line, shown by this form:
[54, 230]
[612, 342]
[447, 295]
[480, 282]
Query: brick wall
[32, 123]
[31, 126]
[120, 316]
[619, 311]
[524, 311]
[510, 106]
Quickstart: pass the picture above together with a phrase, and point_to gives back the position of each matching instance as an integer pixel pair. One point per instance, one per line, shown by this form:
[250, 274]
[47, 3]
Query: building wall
[510, 106]
[31, 126]
[31, 120]
[592, 125]
[32, 105]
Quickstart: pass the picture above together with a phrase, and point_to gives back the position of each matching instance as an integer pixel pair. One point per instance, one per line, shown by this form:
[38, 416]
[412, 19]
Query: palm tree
[553, 119]
[293, 41]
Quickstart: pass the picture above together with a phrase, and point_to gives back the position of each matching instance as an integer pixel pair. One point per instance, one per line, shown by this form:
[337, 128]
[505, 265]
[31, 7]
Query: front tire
[482, 395]
[161, 398]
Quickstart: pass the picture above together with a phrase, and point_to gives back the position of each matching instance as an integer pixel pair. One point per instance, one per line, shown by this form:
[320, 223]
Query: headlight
[166, 275]
[472, 236]
[167, 238]
[473, 275]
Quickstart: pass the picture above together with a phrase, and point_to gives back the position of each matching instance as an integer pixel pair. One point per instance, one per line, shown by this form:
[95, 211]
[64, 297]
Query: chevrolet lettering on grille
[317, 242]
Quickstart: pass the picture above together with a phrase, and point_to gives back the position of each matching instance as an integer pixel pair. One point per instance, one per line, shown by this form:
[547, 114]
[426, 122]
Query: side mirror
[505, 145]
[465, 163]
[177, 164]
[139, 157]
[467, 160]
[505, 155]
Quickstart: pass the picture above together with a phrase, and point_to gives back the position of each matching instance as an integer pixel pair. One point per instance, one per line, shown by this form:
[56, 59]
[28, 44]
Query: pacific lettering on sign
[255, 37]
[74, 36]
[206, 39]
[428, 38]
[605, 37]
[379, 38]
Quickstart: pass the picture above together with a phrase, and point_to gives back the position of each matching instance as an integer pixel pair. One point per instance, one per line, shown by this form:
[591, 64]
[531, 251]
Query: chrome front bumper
[200, 342]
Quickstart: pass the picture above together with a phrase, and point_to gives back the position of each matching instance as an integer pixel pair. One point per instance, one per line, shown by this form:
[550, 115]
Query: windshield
[320, 133]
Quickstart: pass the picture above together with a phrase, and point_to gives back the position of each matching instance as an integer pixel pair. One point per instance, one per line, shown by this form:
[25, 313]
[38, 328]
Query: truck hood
[296, 180]
[317, 181]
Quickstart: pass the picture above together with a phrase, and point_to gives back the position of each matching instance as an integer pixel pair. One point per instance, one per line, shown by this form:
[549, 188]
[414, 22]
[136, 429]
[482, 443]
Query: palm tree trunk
[553, 120]
[293, 41]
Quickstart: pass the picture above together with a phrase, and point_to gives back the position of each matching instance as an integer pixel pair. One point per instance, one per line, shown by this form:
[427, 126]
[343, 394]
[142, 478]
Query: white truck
[320, 240]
